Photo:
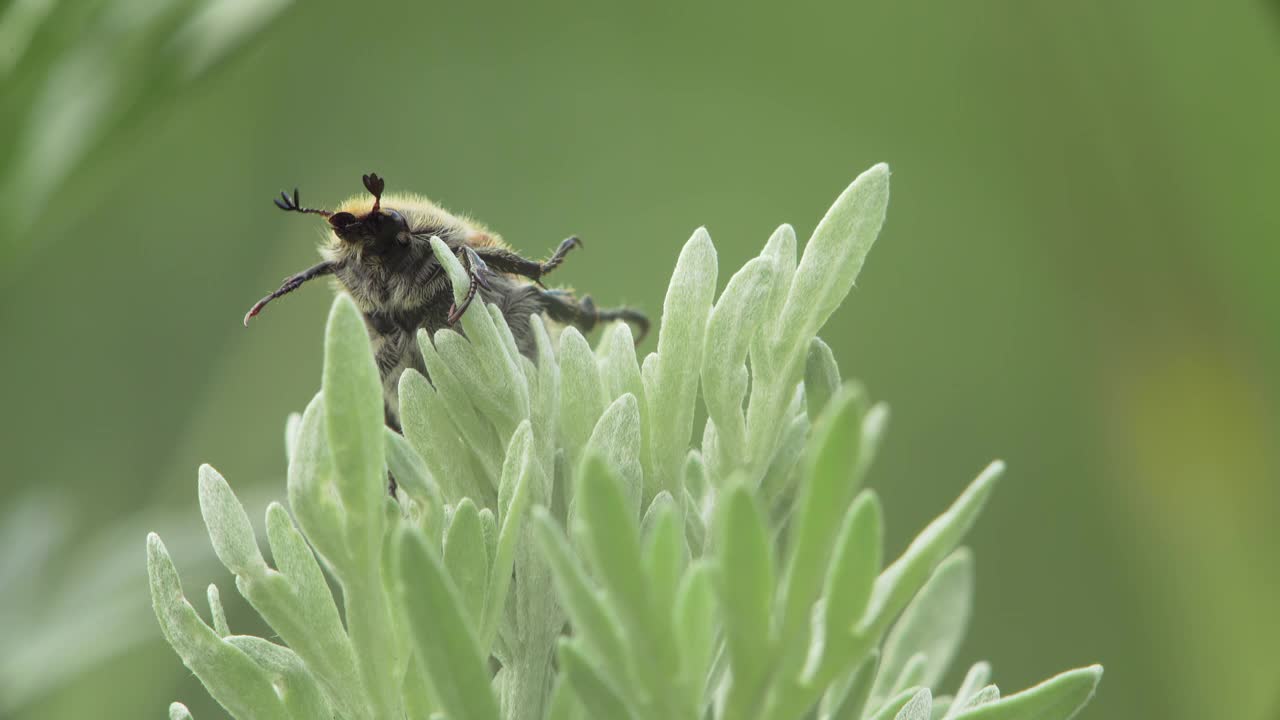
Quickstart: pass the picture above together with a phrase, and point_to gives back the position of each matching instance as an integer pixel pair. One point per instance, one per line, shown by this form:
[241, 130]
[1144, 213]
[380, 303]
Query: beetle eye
[342, 220]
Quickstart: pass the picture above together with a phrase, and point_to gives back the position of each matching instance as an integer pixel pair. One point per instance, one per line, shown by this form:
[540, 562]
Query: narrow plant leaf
[890, 709]
[1058, 698]
[610, 536]
[616, 439]
[298, 605]
[354, 418]
[228, 524]
[932, 625]
[514, 500]
[665, 554]
[497, 385]
[974, 680]
[619, 367]
[732, 323]
[987, 694]
[746, 584]
[593, 622]
[900, 581]
[919, 707]
[292, 425]
[696, 626]
[429, 427]
[910, 676]
[233, 679]
[873, 427]
[466, 559]
[410, 470]
[852, 574]
[821, 377]
[293, 683]
[830, 465]
[218, 615]
[582, 394]
[780, 250]
[853, 698]
[601, 700]
[311, 493]
[834, 256]
[442, 634]
[178, 711]
[671, 386]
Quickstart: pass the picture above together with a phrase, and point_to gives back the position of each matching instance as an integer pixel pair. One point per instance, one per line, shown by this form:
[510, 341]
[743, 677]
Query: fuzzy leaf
[890, 710]
[832, 479]
[671, 386]
[601, 699]
[852, 698]
[974, 680]
[732, 323]
[312, 495]
[616, 439]
[514, 499]
[354, 419]
[821, 377]
[919, 707]
[466, 559]
[228, 524]
[834, 256]
[933, 624]
[293, 683]
[853, 571]
[594, 622]
[297, 603]
[696, 616]
[900, 581]
[610, 534]
[582, 394]
[429, 427]
[239, 684]
[1058, 698]
[746, 584]
[217, 613]
[410, 470]
[442, 633]
[665, 554]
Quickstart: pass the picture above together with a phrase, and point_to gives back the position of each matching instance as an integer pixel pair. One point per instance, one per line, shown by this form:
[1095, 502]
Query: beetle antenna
[375, 186]
[291, 204]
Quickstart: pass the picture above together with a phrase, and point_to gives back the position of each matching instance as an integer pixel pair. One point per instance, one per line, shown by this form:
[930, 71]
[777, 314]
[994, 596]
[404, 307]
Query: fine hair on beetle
[379, 251]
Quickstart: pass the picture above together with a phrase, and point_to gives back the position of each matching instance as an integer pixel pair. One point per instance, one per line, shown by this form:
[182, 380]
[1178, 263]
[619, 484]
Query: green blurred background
[1077, 275]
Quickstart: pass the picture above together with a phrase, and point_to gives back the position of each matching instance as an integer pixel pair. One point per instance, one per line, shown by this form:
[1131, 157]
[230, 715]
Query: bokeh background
[1078, 275]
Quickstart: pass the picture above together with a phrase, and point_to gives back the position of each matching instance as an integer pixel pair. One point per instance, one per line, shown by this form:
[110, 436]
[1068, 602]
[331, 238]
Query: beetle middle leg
[583, 314]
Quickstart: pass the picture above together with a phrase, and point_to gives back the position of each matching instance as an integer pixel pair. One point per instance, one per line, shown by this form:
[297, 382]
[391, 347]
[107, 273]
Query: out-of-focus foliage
[1078, 276]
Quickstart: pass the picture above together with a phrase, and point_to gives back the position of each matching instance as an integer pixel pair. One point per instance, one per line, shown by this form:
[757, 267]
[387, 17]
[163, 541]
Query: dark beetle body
[380, 253]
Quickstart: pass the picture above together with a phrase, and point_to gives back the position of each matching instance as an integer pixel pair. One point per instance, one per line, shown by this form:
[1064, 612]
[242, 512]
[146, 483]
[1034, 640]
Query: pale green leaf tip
[228, 524]
[178, 711]
[343, 310]
[452, 267]
[155, 547]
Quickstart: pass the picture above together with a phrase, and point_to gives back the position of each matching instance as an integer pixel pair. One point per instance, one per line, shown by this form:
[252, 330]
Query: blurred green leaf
[931, 627]
[746, 584]
[1058, 698]
[443, 637]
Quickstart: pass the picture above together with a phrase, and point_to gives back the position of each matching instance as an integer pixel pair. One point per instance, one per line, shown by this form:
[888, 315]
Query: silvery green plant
[557, 550]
